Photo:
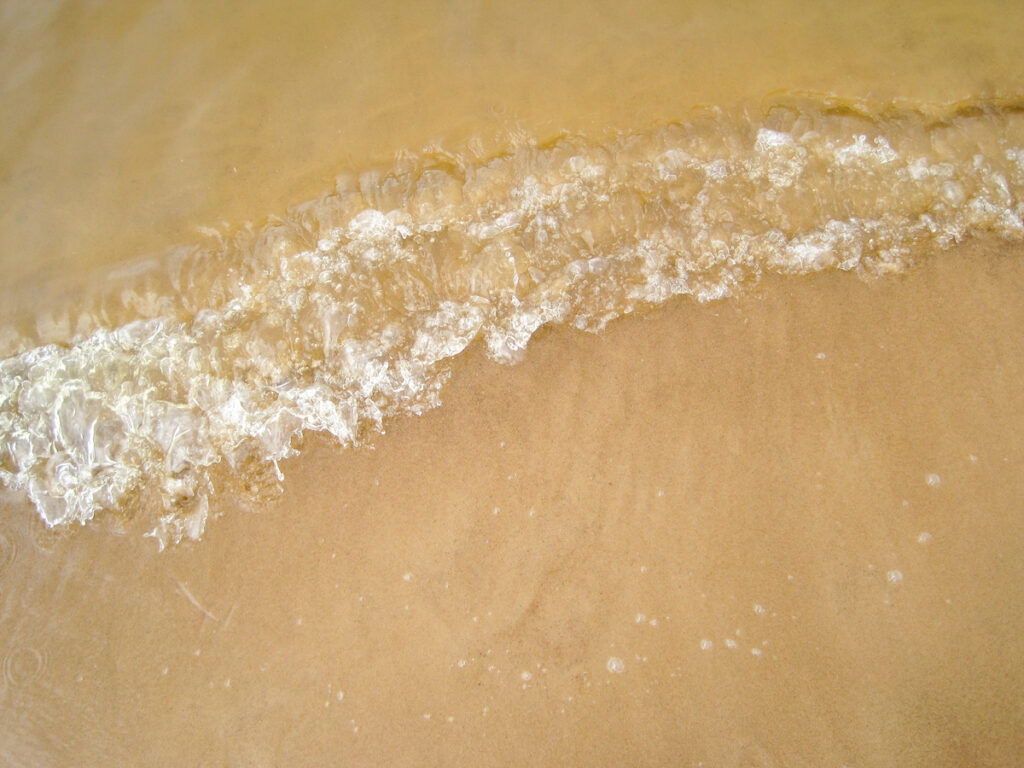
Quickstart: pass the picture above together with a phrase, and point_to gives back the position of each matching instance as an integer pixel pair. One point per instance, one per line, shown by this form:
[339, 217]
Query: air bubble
[23, 665]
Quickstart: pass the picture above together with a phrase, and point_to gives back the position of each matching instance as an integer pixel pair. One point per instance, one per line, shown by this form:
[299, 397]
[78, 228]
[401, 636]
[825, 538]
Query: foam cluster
[346, 312]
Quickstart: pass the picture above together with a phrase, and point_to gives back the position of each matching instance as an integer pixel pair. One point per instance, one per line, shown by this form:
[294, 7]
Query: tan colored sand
[705, 468]
[751, 473]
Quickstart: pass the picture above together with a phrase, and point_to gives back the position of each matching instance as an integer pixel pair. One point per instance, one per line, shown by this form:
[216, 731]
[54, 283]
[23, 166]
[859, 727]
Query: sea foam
[205, 368]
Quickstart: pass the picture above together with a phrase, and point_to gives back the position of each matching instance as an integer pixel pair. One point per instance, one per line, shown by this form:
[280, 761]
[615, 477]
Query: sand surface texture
[779, 529]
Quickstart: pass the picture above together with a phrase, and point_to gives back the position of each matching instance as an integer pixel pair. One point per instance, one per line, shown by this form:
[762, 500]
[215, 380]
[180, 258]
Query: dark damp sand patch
[752, 474]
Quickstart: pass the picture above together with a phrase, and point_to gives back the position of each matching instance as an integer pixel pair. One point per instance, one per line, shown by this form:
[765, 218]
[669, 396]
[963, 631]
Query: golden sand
[782, 530]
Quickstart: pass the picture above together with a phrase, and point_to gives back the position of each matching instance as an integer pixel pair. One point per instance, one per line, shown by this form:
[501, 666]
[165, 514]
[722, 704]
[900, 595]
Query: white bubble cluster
[206, 369]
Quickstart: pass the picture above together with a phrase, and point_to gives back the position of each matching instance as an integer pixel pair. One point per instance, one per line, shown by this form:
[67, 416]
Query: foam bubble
[203, 370]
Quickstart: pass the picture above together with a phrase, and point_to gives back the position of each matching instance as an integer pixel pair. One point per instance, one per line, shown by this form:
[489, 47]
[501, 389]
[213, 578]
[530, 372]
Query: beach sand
[781, 530]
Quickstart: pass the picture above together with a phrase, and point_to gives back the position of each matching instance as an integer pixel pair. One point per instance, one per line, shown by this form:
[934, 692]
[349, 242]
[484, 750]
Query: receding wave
[206, 367]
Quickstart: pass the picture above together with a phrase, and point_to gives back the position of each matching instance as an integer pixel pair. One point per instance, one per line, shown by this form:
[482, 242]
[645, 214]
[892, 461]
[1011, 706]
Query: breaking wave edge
[198, 372]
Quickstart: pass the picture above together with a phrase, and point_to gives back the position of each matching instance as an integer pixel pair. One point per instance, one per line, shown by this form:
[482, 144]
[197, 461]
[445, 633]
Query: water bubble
[23, 665]
[616, 666]
[894, 577]
[933, 480]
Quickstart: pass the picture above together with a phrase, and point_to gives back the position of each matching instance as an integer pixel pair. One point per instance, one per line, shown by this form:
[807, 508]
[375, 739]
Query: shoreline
[700, 466]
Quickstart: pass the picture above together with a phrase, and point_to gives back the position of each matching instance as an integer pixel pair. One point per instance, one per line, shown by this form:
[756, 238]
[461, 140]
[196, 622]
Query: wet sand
[777, 531]
[782, 530]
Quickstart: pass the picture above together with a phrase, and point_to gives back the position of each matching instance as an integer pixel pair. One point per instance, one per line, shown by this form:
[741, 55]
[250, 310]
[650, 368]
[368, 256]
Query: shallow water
[240, 242]
[129, 125]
